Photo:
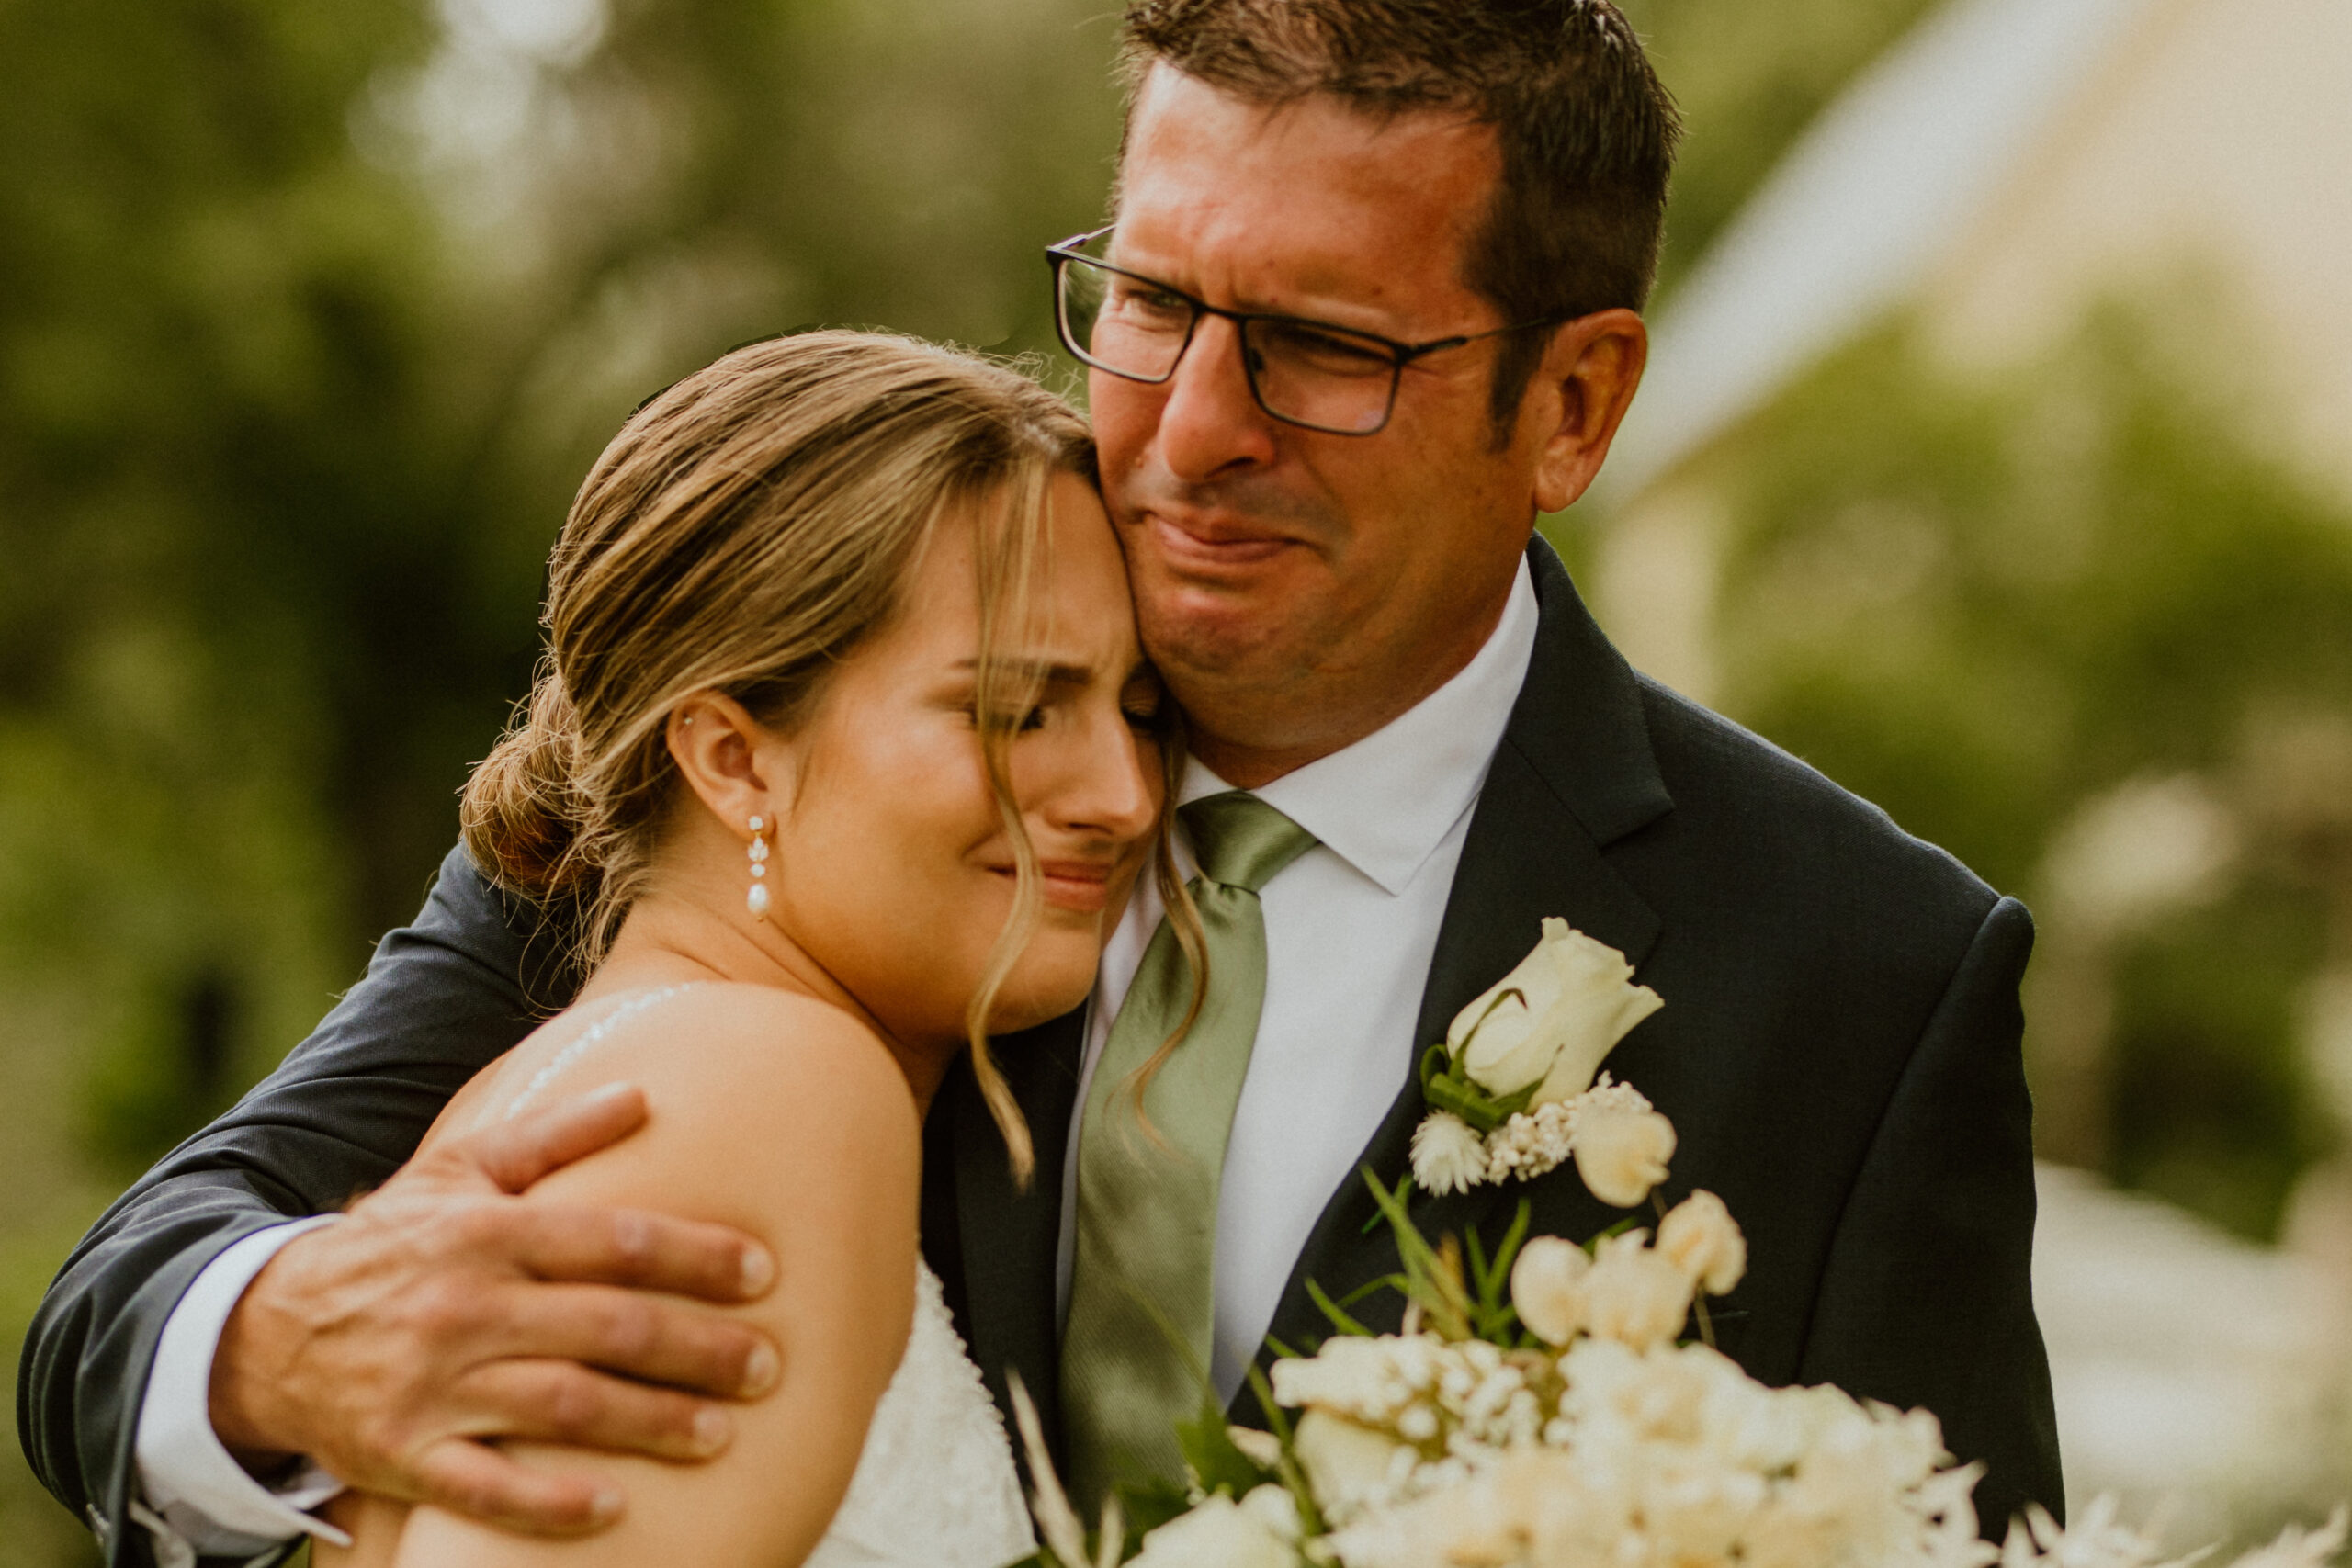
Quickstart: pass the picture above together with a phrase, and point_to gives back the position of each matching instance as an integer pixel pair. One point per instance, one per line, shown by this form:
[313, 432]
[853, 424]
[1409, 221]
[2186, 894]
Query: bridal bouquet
[1540, 1407]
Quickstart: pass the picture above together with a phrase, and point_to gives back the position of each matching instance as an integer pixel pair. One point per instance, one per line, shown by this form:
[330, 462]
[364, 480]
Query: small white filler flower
[1448, 1154]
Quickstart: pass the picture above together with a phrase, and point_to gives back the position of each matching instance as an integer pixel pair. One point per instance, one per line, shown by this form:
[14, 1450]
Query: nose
[1111, 786]
[1209, 423]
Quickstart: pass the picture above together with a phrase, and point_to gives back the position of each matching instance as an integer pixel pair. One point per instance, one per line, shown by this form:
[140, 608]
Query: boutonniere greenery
[1512, 1092]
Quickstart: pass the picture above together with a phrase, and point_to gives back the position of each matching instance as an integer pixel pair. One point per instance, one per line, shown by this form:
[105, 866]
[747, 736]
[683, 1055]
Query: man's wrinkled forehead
[1270, 116]
[1212, 174]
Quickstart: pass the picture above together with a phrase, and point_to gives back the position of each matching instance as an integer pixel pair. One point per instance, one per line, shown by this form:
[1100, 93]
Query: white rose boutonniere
[1548, 1023]
[1517, 1068]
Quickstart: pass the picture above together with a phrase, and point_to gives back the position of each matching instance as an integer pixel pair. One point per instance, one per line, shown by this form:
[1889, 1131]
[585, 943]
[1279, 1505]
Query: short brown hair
[1586, 132]
[743, 534]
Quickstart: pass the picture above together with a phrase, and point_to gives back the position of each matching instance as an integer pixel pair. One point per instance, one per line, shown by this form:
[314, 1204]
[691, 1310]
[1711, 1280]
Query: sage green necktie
[1146, 1209]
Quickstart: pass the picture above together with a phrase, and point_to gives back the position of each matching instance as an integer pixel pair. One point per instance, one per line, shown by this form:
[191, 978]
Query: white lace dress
[935, 1487]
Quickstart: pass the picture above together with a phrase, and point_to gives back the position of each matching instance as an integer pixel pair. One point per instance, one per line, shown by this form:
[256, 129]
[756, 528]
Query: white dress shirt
[1351, 926]
[193, 1497]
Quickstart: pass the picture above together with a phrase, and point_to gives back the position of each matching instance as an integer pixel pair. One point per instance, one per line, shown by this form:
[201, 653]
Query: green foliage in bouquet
[1446, 1083]
[1451, 1289]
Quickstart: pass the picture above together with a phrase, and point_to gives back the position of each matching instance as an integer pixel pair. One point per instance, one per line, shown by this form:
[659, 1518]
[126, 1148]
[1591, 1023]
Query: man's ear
[737, 766]
[1581, 393]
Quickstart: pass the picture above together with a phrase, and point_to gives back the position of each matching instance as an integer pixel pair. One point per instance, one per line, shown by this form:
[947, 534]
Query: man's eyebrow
[1314, 313]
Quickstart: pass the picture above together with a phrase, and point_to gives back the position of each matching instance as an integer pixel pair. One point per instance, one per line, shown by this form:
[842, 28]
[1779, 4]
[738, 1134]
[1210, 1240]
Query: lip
[1214, 544]
[1082, 886]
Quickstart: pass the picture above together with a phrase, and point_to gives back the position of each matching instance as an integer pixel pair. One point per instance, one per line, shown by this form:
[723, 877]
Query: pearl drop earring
[756, 900]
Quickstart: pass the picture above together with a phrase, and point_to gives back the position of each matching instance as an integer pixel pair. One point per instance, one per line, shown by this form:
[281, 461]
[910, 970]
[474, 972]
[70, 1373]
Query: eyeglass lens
[1320, 376]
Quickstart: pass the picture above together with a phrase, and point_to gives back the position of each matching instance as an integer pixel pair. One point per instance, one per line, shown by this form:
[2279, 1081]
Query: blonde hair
[743, 533]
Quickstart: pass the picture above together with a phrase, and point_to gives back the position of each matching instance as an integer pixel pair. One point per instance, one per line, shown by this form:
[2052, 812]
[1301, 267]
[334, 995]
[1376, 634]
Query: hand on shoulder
[787, 1120]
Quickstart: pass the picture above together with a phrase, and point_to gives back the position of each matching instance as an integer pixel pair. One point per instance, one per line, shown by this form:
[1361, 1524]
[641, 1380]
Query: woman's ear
[737, 766]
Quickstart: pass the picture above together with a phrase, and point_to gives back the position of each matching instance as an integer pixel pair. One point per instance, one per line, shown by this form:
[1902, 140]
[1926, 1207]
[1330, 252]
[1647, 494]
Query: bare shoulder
[759, 1036]
[761, 1102]
[788, 1121]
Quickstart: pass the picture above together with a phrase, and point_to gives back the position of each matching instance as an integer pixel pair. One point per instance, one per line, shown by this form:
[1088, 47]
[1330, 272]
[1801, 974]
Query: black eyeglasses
[1312, 374]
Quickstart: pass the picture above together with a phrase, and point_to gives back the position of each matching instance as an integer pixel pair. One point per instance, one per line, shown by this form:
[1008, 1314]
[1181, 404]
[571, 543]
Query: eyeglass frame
[1061, 254]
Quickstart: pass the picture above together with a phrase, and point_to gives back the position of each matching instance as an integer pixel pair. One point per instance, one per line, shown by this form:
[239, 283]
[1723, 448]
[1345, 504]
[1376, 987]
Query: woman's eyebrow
[1045, 672]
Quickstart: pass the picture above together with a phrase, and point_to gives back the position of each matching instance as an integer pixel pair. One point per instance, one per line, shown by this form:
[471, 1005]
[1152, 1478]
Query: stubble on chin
[1242, 650]
[1212, 627]
[1244, 668]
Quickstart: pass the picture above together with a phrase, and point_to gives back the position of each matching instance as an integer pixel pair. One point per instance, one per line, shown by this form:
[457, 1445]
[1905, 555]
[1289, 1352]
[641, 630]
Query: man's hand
[442, 1312]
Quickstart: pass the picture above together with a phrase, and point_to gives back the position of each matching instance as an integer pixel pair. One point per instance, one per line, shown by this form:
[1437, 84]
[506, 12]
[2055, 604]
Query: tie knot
[1239, 840]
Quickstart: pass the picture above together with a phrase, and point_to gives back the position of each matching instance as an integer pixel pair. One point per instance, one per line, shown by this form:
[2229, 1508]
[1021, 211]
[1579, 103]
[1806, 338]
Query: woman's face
[892, 867]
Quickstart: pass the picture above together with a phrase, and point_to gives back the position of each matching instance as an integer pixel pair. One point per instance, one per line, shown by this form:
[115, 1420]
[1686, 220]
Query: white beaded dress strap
[588, 1040]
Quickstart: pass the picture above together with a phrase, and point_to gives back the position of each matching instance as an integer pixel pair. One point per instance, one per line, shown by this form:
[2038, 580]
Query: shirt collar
[1385, 803]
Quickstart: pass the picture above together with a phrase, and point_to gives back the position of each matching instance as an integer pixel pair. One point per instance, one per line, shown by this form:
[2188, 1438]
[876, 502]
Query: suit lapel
[1574, 772]
[1007, 1240]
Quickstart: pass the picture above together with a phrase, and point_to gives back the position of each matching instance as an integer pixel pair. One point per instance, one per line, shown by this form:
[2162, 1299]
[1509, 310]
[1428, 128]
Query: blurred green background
[312, 316]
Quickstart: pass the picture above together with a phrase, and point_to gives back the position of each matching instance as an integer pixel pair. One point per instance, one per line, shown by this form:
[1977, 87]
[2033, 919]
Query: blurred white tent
[2006, 164]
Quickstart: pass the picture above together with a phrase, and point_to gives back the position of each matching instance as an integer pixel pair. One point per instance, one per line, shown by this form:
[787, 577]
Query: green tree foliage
[1987, 604]
[211, 458]
[228, 508]
[294, 384]
[296, 388]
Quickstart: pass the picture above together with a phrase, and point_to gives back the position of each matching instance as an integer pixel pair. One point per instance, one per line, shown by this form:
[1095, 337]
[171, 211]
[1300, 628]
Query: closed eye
[1141, 305]
[1143, 699]
[1018, 720]
[1321, 349]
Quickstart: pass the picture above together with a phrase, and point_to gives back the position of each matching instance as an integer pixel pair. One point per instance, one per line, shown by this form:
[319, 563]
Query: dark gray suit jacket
[1839, 1052]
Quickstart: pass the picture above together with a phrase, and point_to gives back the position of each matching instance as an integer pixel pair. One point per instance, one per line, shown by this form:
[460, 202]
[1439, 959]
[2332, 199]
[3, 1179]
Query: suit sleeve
[441, 999]
[1927, 1298]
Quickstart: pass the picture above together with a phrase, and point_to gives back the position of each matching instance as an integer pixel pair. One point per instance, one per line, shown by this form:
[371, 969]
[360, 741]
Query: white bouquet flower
[1540, 1407]
[1539, 1413]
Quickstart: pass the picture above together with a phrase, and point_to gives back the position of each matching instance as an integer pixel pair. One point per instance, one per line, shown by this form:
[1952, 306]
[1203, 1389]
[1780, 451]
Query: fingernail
[605, 1506]
[711, 1430]
[761, 1369]
[759, 1270]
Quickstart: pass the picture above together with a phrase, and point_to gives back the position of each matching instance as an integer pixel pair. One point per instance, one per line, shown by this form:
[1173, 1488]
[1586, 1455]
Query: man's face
[1298, 589]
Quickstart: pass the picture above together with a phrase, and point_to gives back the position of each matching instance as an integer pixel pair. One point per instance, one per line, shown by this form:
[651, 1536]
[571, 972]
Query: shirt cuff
[196, 1497]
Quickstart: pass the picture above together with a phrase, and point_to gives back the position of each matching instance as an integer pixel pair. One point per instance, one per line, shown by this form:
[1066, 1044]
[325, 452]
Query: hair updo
[743, 533]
